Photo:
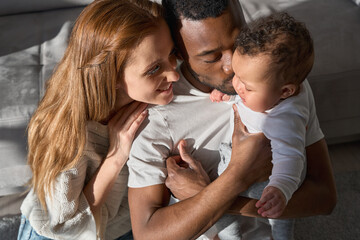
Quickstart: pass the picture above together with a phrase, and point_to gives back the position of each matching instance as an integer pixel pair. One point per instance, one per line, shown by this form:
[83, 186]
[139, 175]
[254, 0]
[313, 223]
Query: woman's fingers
[132, 115]
[121, 112]
[134, 125]
[125, 116]
[123, 126]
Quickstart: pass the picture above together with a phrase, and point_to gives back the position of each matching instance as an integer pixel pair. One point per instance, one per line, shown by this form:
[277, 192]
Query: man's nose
[227, 56]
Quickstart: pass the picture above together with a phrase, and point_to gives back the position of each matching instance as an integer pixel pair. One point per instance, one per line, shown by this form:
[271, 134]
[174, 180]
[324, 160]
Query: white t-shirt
[291, 126]
[204, 125]
[191, 116]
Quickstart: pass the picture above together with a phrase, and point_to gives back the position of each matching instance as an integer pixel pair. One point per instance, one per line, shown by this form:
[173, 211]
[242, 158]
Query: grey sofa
[34, 35]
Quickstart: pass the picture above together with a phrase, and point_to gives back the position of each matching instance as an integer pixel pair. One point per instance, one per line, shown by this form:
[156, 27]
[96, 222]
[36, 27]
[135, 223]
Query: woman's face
[150, 71]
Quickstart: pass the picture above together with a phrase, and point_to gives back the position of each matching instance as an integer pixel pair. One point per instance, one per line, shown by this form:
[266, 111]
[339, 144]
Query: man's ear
[288, 90]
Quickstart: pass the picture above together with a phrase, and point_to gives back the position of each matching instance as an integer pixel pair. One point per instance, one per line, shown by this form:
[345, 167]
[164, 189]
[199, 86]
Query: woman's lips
[166, 89]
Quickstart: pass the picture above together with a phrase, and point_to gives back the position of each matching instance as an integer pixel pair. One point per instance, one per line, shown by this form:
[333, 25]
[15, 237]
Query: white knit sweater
[68, 213]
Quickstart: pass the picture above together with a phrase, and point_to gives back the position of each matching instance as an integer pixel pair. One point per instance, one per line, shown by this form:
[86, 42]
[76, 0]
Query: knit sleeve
[69, 213]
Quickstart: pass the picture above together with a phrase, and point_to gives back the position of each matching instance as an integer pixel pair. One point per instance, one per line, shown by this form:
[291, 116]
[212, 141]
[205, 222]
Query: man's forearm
[151, 218]
[189, 218]
[244, 206]
[310, 200]
[316, 196]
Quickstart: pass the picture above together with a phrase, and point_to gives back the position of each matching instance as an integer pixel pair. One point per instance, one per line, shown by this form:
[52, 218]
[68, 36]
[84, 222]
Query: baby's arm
[217, 96]
[272, 202]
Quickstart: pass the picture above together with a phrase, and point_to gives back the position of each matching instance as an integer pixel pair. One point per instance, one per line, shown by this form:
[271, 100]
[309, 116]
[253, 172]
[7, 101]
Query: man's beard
[223, 87]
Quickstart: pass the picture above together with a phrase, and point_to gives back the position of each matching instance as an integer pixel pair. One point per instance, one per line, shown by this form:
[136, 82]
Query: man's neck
[193, 81]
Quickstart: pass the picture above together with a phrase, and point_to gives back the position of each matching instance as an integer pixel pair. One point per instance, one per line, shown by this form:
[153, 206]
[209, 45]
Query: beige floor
[344, 157]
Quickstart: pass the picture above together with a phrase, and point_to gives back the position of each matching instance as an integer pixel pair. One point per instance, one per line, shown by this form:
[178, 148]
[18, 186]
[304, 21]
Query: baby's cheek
[236, 85]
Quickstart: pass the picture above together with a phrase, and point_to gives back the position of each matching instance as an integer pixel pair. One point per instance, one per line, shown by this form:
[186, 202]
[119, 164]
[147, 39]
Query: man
[204, 32]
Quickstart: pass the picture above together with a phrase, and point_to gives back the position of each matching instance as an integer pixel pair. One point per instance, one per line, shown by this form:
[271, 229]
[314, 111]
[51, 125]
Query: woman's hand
[122, 129]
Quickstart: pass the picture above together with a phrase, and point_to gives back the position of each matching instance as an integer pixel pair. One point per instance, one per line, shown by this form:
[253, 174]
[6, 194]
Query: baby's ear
[288, 90]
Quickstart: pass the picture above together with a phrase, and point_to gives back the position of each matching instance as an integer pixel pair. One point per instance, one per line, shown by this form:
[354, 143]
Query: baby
[271, 61]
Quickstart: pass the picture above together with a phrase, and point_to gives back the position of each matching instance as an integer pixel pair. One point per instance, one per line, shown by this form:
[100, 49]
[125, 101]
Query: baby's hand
[272, 203]
[217, 96]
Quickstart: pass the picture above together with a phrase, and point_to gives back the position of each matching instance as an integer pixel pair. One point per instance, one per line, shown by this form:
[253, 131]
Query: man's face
[207, 48]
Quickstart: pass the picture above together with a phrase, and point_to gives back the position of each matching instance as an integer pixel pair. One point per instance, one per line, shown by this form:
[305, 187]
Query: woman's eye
[153, 70]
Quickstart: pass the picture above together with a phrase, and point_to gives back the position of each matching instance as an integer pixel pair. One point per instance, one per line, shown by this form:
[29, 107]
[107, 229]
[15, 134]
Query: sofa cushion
[31, 46]
[8, 7]
[357, 2]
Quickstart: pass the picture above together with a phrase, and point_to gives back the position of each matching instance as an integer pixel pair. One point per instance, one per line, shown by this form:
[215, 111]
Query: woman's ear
[288, 90]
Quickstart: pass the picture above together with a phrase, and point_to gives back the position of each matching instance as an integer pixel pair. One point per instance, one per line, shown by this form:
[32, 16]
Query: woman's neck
[122, 99]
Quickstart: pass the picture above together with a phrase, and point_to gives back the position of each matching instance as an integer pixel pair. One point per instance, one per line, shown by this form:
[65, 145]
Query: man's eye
[153, 70]
[214, 60]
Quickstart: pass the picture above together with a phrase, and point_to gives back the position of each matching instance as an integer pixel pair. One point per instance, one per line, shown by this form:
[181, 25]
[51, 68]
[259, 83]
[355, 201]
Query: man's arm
[317, 194]
[151, 218]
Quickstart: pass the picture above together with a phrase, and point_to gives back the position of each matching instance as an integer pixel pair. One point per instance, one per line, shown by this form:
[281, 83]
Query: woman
[119, 55]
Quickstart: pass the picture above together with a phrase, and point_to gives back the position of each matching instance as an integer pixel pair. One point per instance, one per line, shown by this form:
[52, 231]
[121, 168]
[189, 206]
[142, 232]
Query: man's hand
[186, 176]
[251, 154]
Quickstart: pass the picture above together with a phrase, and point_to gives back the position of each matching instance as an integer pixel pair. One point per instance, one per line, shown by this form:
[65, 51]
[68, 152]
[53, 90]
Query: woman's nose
[172, 75]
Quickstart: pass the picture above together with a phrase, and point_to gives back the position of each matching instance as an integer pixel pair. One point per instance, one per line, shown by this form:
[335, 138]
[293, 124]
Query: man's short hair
[195, 9]
[285, 40]
[191, 10]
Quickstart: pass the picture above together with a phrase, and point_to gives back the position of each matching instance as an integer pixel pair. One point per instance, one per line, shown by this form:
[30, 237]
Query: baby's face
[251, 82]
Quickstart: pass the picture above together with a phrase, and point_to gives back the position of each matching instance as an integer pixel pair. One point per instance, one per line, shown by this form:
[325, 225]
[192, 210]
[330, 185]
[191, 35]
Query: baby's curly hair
[285, 40]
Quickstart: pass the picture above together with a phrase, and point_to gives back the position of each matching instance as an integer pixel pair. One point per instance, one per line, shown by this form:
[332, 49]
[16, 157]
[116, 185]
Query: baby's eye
[153, 70]
[249, 90]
